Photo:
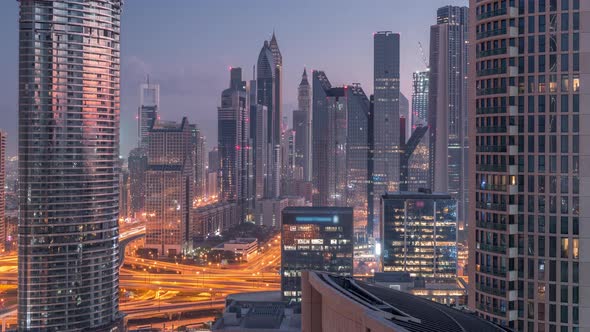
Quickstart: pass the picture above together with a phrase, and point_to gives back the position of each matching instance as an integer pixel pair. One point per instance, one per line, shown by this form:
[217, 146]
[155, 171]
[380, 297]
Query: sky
[187, 46]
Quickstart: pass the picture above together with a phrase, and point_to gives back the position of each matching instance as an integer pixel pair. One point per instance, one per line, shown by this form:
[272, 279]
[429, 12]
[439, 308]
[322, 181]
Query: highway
[183, 287]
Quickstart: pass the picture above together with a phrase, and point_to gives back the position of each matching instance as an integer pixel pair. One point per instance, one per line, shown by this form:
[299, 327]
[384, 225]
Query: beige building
[529, 262]
[341, 304]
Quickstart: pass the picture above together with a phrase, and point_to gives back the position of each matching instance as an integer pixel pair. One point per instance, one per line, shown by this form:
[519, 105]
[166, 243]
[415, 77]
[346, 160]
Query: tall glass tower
[530, 184]
[68, 165]
[386, 152]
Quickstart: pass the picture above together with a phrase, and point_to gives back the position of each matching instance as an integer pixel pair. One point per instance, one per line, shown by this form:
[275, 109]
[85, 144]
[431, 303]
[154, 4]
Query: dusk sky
[187, 47]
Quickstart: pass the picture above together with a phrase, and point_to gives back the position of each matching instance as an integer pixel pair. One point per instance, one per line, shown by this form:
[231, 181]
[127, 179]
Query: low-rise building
[258, 311]
[241, 247]
[212, 219]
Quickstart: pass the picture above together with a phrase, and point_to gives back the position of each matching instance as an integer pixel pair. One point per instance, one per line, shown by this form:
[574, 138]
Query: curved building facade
[68, 165]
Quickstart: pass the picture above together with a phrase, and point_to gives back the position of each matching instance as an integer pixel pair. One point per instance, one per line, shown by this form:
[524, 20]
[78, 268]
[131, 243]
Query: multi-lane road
[183, 287]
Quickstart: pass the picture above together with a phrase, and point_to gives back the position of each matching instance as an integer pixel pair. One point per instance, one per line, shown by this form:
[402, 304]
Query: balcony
[491, 310]
[492, 13]
[491, 290]
[498, 272]
[491, 206]
[492, 248]
[491, 130]
[492, 91]
[491, 148]
[492, 168]
[491, 33]
[492, 226]
[491, 110]
[492, 52]
[492, 71]
[494, 187]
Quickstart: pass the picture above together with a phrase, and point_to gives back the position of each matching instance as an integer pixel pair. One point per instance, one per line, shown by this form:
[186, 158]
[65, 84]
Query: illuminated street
[177, 288]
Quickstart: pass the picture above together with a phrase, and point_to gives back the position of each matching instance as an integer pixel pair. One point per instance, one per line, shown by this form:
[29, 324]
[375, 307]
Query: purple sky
[187, 47]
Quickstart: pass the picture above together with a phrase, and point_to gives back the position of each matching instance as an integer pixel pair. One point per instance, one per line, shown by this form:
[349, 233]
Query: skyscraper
[386, 113]
[148, 110]
[341, 144]
[420, 85]
[234, 143]
[314, 238]
[404, 113]
[447, 114]
[268, 87]
[329, 142]
[302, 125]
[530, 179]
[419, 234]
[169, 187]
[414, 163]
[2, 190]
[137, 165]
[200, 159]
[68, 264]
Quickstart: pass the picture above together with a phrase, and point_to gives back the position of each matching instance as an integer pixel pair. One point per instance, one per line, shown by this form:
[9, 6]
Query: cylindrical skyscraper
[68, 165]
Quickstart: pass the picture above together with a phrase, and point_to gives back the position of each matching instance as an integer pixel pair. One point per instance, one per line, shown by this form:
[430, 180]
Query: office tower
[2, 191]
[420, 99]
[357, 153]
[447, 114]
[529, 175]
[404, 112]
[317, 239]
[124, 195]
[386, 113]
[419, 234]
[137, 163]
[300, 128]
[199, 158]
[213, 165]
[268, 94]
[234, 143]
[169, 187]
[69, 165]
[302, 125]
[288, 143]
[148, 110]
[414, 164]
[212, 219]
[402, 132]
[329, 134]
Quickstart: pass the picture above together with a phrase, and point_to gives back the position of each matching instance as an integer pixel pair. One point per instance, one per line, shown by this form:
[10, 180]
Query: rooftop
[412, 313]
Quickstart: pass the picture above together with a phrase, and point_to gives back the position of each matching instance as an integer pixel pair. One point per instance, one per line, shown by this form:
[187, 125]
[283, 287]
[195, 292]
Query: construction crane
[424, 59]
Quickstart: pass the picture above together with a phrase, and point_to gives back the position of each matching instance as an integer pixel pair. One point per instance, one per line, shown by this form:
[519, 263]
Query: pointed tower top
[304, 77]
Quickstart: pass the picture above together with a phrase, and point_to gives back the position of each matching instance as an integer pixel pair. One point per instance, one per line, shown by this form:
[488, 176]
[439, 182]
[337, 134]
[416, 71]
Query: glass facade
[68, 165]
[317, 239]
[169, 187]
[419, 234]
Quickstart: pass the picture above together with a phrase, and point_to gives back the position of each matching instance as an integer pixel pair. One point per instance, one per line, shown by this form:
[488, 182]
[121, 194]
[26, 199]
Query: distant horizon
[192, 76]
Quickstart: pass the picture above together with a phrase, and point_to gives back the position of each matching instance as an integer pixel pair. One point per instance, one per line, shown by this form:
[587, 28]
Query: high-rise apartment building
[268, 94]
[2, 191]
[302, 126]
[529, 180]
[234, 144]
[68, 251]
[419, 234]
[317, 239]
[148, 109]
[169, 187]
[447, 114]
[386, 74]
[137, 165]
[420, 85]
[200, 160]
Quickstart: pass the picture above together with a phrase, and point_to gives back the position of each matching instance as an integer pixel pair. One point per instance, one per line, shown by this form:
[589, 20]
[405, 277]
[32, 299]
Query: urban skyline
[478, 204]
[191, 88]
